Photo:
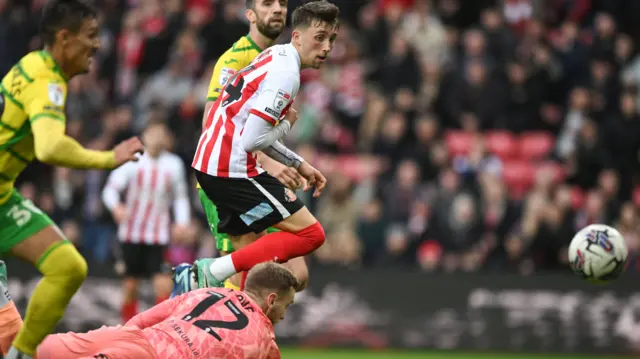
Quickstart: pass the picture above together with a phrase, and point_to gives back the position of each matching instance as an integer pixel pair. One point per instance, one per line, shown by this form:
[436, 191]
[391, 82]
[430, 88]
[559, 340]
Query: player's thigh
[134, 259]
[25, 231]
[210, 211]
[229, 197]
[159, 270]
[297, 221]
[154, 258]
[223, 244]
[244, 240]
[258, 203]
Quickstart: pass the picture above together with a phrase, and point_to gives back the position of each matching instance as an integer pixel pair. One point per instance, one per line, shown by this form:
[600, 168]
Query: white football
[598, 253]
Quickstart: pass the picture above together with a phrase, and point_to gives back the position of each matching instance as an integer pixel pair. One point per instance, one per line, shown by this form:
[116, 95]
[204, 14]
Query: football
[598, 253]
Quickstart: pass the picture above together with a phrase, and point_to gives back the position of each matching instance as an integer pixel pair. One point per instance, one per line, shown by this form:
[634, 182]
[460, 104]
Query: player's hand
[290, 177]
[286, 175]
[314, 178]
[128, 150]
[119, 213]
[291, 116]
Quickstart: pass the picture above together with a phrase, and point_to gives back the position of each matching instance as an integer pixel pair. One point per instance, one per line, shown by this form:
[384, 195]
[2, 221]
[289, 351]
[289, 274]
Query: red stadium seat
[536, 145]
[502, 144]
[459, 142]
[577, 197]
[636, 196]
[518, 176]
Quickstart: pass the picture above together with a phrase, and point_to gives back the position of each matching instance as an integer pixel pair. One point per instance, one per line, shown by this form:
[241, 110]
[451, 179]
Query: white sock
[16, 354]
[222, 268]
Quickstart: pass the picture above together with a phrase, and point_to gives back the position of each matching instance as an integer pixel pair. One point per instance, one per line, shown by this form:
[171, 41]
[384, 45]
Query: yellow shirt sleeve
[228, 64]
[44, 102]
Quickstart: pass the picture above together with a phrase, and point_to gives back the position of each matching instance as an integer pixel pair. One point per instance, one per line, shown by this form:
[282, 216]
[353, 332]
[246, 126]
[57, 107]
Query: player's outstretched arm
[44, 103]
[53, 147]
[155, 314]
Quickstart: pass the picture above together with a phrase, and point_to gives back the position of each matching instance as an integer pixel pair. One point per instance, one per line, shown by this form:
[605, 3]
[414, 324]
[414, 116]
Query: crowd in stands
[456, 135]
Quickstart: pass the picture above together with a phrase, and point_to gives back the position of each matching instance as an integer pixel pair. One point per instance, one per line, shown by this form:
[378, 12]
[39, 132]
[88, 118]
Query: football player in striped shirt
[266, 22]
[254, 114]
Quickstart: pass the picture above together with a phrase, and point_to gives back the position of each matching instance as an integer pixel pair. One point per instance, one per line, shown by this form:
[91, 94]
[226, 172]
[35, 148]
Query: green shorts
[19, 220]
[222, 240]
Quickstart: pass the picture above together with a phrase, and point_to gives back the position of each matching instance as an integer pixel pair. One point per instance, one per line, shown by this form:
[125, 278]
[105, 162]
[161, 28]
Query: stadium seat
[577, 197]
[636, 196]
[458, 142]
[518, 176]
[502, 144]
[536, 145]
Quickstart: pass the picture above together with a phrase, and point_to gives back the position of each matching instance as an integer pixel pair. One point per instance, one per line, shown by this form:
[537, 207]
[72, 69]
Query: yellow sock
[228, 284]
[64, 270]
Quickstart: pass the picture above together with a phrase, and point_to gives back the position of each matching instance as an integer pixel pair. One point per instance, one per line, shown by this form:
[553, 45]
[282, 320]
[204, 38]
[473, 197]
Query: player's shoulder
[285, 56]
[246, 47]
[40, 66]
[240, 54]
[284, 64]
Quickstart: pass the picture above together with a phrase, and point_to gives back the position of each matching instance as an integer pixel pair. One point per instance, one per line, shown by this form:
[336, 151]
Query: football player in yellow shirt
[32, 126]
[266, 22]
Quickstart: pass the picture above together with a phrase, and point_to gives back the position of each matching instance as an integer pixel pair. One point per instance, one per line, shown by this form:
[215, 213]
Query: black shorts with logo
[248, 205]
[144, 260]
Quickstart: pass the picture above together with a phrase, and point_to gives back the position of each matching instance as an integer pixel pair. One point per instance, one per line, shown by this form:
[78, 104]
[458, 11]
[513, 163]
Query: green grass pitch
[291, 353]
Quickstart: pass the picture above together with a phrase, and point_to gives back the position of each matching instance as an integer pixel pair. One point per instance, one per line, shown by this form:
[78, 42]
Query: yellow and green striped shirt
[233, 60]
[34, 88]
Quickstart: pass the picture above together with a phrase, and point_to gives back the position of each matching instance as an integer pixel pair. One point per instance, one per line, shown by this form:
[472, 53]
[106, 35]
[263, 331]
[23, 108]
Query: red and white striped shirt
[153, 185]
[266, 88]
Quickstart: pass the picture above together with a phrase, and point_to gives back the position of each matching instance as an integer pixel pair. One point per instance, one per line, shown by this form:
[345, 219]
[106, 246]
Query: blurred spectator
[337, 212]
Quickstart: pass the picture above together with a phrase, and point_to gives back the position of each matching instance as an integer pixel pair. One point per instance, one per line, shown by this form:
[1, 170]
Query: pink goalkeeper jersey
[209, 323]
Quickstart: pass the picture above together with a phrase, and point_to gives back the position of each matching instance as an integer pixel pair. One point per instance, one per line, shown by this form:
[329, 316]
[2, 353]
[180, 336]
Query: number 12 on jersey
[208, 326]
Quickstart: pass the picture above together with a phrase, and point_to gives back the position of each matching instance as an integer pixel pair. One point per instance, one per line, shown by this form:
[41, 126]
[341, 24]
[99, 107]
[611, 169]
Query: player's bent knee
[298, 221]
[64, 262]
[313, 234]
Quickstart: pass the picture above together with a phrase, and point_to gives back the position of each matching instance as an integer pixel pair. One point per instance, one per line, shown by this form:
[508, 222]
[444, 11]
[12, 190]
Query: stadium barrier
[395, 308]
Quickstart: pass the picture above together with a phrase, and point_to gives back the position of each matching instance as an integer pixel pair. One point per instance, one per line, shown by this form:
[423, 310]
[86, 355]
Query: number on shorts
[240, 323]
[21, 213]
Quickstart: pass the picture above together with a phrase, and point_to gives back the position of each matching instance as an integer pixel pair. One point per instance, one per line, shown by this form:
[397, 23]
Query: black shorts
[143, 260]
[248, 205]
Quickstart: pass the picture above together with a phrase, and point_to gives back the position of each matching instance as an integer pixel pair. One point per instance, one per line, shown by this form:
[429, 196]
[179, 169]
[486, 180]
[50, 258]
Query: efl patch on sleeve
[282, 100]
[225, 74]
[56, 94]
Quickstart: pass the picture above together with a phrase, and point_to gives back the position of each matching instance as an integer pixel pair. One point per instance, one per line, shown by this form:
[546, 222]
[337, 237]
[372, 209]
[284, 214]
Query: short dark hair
[315, 11]
[269, 276]
[64, 14]
[249, 4]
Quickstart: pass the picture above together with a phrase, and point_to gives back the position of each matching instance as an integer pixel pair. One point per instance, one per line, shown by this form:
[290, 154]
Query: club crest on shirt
[225, 75]
[281, 101]
[289, 196]
[56, 94]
